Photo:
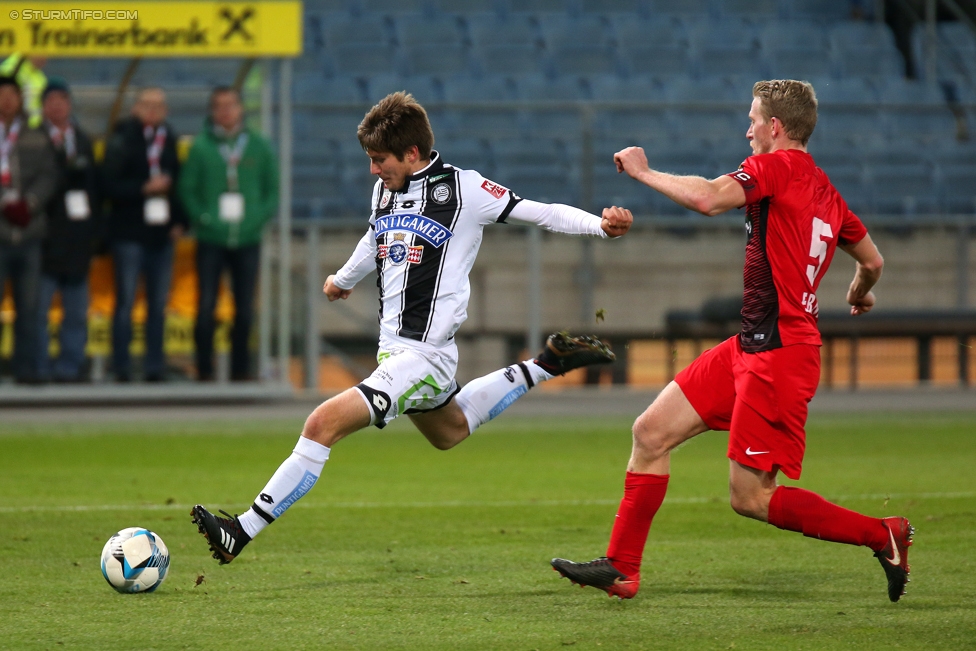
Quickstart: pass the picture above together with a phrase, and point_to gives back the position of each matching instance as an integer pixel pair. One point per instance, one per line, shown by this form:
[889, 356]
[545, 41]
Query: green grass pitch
[400, 546]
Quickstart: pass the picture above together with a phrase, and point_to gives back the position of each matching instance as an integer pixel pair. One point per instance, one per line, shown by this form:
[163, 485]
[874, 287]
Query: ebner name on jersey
[422, 242]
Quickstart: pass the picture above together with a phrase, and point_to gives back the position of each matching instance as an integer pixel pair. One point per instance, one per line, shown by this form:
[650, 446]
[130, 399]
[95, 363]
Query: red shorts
[759, 398]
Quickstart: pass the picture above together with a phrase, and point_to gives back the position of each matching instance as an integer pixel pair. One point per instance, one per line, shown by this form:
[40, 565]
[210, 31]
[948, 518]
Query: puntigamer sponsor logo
[425, 227]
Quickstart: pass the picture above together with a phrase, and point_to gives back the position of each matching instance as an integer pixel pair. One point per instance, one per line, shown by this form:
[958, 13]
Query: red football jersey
[795, 219]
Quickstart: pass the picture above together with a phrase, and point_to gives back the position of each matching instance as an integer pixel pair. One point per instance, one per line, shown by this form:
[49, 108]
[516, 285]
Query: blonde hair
[395, 124]
[794, 103]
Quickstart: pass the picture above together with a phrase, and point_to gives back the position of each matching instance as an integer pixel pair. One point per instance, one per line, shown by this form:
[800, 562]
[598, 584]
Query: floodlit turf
[403, 547]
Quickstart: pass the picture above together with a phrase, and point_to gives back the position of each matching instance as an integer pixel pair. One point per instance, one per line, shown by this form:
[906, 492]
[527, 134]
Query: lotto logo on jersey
[494, 189]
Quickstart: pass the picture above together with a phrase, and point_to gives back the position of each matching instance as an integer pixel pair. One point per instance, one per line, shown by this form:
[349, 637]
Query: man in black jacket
[140, 174]
[28, 180]
[74, 226]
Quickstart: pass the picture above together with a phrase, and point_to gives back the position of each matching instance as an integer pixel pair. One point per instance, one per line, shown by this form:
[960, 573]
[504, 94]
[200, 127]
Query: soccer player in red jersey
[757, 384]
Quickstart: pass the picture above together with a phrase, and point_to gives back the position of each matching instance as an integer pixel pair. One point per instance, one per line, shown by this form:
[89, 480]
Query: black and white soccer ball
[135, 560]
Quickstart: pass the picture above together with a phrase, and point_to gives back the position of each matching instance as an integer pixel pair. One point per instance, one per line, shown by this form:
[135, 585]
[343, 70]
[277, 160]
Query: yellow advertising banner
[151, 29]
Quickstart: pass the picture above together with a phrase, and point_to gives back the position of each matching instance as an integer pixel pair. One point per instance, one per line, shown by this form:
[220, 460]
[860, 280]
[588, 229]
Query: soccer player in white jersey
[424, 233]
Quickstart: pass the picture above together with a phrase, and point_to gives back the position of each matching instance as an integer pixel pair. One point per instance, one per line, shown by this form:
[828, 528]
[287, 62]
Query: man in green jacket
[229, 187]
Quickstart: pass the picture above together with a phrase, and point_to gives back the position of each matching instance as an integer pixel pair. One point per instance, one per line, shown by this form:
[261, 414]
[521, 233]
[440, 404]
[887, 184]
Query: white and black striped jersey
[423, 241]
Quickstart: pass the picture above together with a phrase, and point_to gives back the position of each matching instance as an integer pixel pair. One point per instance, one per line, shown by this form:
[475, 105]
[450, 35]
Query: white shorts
[409, 381]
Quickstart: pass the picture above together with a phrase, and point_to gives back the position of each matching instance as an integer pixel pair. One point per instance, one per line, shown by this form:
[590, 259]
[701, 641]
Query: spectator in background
[28, 72]
[140, 173]
[28, 180]
[229, 186]
[74, 227]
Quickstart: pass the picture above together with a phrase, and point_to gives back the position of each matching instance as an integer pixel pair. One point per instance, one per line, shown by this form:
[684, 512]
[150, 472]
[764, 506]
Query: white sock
[485, 397]
[291, 481]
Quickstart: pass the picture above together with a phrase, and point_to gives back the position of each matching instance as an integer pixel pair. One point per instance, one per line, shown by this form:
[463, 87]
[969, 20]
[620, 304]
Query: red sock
[796, 509]
[643, 494]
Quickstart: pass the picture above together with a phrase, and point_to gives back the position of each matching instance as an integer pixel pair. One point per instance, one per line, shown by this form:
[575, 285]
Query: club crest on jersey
[441, 193]
[399, 253]
[385, 201]
[423, 227]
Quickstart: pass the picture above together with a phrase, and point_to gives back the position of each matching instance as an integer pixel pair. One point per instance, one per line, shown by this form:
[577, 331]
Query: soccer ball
[135, 560]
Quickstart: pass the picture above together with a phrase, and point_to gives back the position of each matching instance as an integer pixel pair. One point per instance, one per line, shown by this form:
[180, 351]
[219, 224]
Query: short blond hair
[792, 102]
[395, 124]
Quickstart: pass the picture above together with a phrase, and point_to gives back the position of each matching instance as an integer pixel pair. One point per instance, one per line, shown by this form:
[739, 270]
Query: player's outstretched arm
[693, 192]
[560, 218]
[868, 272]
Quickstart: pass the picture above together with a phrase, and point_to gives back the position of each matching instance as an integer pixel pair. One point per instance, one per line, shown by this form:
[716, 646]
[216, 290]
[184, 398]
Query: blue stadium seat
[426, 89]
[823, 11]
[368, 29]
[689, 8]
[847, 107]
[958, 187]
[467, 153]
[563, 121]
[491, 29]
[903, 188]
[915, 108]
[795, 50]
[365, 59]
[562, 30]
[482, 122]
[752, 9]
[706, 107]
[441, 29]
[726, 47]
[434, 59]
[312, 88]
[860, 48]
[638, 88]
[659, 46]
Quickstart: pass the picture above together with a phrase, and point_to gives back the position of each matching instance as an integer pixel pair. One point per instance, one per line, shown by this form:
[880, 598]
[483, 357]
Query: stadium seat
[425, 88]
[477, 121]
[467, 153]
[914, 107]
[312, 88]
[726, 47]
[795, 50]
[690, 8]
[441, 29]
[847, 107]
[491, 29]
[368, 29]
[753, 9]
[903, 188]
[818, 10]
[636, 88]
[365, 59]
[658, 46]
[706, 107]
[958, 188]
[561, 121]
[861, 48]
[560, 31]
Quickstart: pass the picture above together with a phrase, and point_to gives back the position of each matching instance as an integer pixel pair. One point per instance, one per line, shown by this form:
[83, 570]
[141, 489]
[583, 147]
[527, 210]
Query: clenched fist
[616, 221]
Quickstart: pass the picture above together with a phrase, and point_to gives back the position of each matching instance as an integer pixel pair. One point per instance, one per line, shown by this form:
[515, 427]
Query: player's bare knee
[320, 426]
[649, 436]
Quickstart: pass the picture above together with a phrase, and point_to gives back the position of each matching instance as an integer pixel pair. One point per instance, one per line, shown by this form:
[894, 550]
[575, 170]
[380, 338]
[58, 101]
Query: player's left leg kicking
[704, 397]
[420, 385]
